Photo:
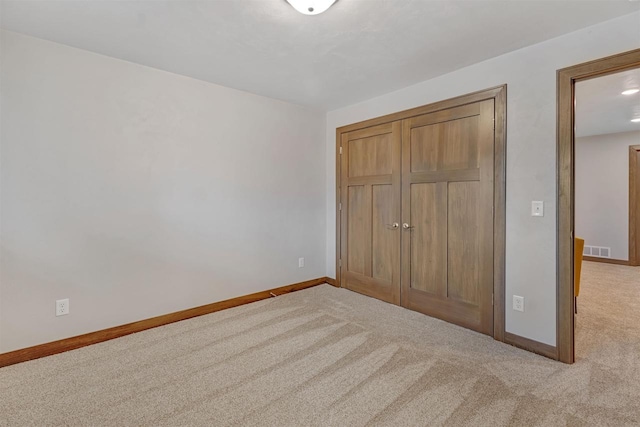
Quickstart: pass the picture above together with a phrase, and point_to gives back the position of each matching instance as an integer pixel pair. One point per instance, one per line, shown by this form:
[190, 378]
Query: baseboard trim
[531, 345]
[605, 260]
[60, 346]
[332, 282]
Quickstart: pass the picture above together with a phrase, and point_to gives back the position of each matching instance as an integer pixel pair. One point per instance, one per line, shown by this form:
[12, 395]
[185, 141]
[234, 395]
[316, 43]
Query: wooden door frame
[634, 205]
[499, 95]
[565, 109]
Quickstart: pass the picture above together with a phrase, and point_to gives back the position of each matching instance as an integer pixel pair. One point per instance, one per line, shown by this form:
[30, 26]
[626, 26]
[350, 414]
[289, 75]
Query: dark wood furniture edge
[67, 344]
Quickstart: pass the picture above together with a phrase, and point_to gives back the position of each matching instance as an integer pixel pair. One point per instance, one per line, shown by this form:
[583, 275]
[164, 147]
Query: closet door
[447, 215]
[370, 211]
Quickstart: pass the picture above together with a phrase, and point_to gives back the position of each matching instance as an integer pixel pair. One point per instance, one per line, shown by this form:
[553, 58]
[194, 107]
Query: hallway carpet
[327, 356]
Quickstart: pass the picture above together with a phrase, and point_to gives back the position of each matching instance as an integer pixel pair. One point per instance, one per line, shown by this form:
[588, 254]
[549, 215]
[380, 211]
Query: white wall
[531, 154]
[602, 190]
[136, 192]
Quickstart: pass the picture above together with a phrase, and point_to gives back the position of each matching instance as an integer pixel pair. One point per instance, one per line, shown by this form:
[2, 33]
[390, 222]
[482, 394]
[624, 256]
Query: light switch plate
[537, 208]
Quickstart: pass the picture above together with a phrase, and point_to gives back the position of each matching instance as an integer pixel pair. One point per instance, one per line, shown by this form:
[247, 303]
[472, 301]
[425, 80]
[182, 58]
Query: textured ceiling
[601, 108]
[356, 50]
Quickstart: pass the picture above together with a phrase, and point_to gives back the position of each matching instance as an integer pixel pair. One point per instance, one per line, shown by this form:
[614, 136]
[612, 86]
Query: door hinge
[340, 263]
[341, 150]
[340, 206]
[492, 299]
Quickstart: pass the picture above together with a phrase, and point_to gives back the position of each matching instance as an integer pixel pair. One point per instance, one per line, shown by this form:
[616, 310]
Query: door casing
[499, 95]
[566, 81]
[634, 205]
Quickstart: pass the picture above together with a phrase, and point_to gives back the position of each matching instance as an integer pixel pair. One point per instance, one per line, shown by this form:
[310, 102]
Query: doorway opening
[568, 79]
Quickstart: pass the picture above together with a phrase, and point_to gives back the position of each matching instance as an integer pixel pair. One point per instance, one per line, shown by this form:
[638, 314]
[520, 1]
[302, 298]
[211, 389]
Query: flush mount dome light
[636, 120]
[630, 91]
[311, 7]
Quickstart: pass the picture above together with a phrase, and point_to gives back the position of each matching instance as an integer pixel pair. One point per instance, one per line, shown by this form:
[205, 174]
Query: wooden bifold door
[416, 211]
[371, 210]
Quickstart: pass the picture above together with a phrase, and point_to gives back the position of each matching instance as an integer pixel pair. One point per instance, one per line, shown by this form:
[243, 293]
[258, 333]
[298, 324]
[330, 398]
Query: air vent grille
[597, 251]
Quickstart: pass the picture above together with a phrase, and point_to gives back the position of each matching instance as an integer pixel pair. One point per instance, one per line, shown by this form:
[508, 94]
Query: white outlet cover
[62, 307]
[300, 262]
[518, 303]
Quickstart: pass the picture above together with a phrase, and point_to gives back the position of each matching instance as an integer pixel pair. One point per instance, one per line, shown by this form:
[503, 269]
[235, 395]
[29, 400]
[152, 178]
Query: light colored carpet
[327, 356]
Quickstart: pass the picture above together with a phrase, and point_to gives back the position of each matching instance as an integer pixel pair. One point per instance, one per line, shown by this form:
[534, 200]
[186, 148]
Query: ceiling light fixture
[636, 120]
[630, 91]
[311, 7]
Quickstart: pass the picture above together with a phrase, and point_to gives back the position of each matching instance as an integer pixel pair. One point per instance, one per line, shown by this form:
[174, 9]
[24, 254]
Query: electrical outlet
[300, 262]
[62, 307]
[518, 303]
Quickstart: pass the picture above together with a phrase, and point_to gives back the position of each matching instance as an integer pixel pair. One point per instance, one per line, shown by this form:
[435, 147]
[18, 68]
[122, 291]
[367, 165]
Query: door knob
[406, 226]
[393, 226]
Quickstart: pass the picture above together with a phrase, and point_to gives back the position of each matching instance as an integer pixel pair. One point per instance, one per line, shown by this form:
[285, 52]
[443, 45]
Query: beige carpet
[327, 356]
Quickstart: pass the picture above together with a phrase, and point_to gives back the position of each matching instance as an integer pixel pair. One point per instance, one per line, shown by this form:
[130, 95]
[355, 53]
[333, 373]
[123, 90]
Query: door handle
[393, 226]
[407, 226]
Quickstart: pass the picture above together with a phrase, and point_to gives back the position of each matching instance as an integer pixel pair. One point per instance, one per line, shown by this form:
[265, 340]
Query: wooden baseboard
[605, 260]
[79, 341]
[332, 282]
[531, 345]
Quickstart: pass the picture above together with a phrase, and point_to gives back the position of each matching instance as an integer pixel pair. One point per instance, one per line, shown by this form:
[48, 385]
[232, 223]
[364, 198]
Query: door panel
[447, 202]
[428, 254]
[370, 198]
[356, 208]
[464, 250]
[460, 145]
[445, 146]
[424, 148]
[383, 242]
[371, 156]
